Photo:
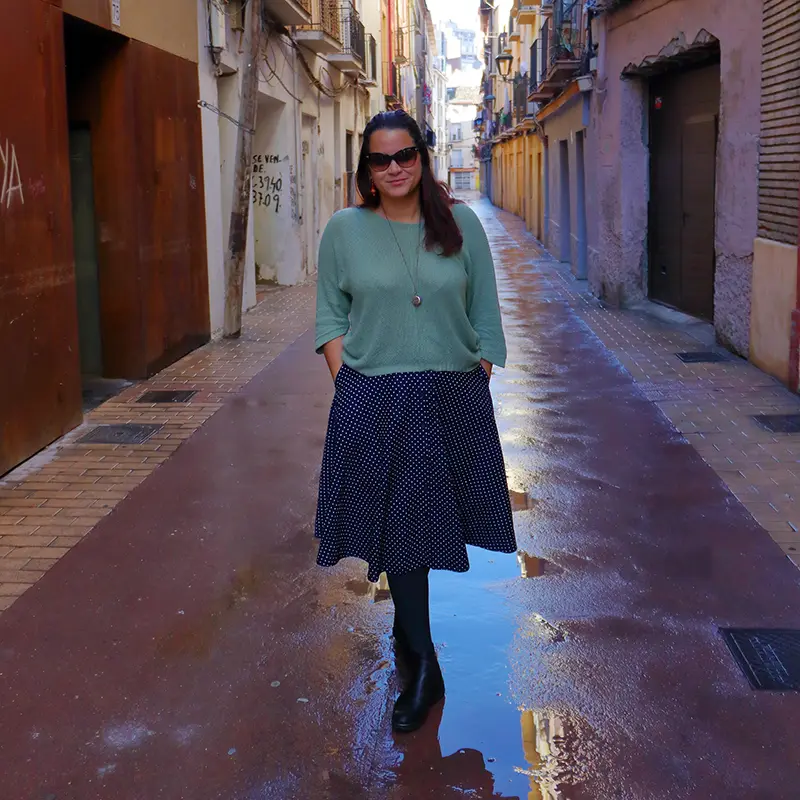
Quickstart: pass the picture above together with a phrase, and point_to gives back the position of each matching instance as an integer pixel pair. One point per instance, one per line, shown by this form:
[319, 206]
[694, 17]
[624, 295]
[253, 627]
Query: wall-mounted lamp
[504, 62]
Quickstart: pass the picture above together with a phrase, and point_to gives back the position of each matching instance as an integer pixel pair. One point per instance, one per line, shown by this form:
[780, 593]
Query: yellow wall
[169, 25]
[774, 297]
[515, 184]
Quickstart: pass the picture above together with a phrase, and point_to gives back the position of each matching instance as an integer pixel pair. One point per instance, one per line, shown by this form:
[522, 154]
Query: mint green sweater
[364, 292]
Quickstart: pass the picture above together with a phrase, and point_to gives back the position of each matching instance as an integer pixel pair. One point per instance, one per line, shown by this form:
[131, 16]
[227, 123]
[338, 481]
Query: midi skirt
[412, 472]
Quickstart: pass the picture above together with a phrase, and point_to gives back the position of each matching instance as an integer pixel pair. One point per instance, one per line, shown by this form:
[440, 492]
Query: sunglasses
[403, 158]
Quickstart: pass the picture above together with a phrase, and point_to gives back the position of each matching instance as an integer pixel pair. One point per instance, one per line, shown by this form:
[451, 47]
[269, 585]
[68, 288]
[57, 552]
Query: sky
[464, 12]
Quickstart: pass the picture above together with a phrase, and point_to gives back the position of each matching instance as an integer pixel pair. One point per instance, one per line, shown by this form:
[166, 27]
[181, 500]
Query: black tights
[411, 608]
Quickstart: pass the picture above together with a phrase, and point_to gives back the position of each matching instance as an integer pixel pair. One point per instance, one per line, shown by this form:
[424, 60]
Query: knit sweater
[364, 292]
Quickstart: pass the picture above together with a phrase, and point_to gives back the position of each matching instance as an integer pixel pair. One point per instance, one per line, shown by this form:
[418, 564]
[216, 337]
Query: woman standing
[409, 322]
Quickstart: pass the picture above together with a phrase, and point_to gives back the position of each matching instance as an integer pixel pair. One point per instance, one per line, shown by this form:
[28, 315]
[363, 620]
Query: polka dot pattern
[412, 472]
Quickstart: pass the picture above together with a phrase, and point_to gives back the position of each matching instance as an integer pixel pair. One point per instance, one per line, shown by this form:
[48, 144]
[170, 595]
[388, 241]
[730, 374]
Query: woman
[409, 322]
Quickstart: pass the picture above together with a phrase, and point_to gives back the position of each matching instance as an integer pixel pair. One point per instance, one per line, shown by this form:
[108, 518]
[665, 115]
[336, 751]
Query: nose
[394, 170]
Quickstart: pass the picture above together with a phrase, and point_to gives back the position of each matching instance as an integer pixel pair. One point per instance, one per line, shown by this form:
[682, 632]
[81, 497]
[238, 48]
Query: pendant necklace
[416, 300]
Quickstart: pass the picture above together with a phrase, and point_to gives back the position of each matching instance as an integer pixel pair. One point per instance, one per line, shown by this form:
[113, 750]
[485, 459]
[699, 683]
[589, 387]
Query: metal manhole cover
[779, 423]
[162, 396]
[701, 357]
[769, 658]
[120, 434]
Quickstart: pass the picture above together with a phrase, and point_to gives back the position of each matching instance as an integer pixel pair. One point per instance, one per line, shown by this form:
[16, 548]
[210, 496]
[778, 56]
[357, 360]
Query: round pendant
[416, 301]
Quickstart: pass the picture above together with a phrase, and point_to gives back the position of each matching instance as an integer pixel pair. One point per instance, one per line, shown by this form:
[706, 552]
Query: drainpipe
[794, 341]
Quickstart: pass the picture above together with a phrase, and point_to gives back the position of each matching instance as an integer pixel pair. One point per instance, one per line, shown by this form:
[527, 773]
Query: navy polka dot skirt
[412, 472]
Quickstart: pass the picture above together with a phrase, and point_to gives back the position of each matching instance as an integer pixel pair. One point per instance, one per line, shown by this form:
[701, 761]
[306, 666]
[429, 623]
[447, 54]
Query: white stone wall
[298, 155]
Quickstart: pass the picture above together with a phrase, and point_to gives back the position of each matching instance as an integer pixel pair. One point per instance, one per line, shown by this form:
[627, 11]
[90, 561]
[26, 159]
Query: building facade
[775, 319]
[675, 119]
[648, 116]
[103, 269]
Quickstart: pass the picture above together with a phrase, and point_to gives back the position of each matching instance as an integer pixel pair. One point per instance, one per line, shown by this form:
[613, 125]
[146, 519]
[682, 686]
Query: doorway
[581, 268]
[565, 238]
[684, 122]
[539, 198]
[88, 51]
[308, 194]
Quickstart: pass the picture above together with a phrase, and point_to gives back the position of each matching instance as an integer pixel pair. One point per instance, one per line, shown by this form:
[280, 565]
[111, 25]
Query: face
[395, 180]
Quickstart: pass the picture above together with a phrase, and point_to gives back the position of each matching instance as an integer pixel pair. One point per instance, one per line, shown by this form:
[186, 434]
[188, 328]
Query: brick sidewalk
[51, 502]
[712, 405]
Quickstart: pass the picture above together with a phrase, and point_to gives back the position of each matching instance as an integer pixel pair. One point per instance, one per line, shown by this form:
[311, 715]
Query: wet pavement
[189, 648]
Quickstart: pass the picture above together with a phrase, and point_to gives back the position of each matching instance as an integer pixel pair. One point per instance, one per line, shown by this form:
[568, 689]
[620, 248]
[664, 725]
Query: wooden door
[684, 111]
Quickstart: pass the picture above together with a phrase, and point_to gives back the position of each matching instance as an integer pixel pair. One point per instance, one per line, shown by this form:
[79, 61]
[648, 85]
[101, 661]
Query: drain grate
[120, 434]
[163, 396]
[701, 357]
[779, 423]
[769, 658]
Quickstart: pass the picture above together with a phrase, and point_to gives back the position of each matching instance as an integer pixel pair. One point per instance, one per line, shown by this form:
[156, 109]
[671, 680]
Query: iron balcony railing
[354, 38]
[562, 40]
[326, 17]
[391, 81]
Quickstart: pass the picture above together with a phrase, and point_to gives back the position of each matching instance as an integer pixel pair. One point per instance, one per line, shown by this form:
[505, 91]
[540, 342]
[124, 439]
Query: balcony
[351, 57]
[563, 46]
[391, 84]
[290, 12]
[513, 30]
[371, 62]
[527, 13]
[324, 34]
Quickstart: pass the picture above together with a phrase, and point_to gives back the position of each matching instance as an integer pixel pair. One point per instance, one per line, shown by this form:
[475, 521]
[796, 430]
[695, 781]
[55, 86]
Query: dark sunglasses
[404, 158]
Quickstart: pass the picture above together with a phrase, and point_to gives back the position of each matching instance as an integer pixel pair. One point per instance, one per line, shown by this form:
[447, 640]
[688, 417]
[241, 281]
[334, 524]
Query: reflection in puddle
[543, 741]
[521, 501]
[376, 592]
[531, 566]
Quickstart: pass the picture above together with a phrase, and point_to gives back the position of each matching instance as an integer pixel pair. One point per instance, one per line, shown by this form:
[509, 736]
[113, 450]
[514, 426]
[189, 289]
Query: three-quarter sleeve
[333, 304]
[483, 305]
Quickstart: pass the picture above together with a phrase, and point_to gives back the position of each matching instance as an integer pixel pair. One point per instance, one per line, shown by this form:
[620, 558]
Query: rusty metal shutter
[779, 170]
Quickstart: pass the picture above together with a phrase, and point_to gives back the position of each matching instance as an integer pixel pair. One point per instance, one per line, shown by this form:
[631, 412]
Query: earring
[373, 191]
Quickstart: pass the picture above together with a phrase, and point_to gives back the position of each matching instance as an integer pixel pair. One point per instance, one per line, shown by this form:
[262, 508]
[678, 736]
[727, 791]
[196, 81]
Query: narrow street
[188, 646]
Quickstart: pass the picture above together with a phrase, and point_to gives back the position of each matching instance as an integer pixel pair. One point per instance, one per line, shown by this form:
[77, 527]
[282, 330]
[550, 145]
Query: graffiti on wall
[293, 192]
[267, 182]
[11, 190]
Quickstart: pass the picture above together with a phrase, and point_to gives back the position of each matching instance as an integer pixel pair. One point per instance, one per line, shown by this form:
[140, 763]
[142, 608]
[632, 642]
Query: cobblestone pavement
[49, 504]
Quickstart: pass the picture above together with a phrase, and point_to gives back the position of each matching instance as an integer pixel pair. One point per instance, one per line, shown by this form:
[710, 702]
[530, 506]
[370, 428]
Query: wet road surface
[189, 648]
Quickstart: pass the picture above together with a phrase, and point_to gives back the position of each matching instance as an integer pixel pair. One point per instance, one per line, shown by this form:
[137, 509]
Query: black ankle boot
[424, 690]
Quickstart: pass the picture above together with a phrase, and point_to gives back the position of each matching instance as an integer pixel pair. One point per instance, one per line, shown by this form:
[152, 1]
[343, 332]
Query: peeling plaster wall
[619, 185]
[285, 223]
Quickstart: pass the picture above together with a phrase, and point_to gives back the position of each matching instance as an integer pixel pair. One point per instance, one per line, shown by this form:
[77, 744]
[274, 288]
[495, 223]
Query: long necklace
[416, 300]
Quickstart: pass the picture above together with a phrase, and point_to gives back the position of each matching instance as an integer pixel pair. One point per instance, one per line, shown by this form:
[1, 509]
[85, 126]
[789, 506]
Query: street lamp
[504, 62]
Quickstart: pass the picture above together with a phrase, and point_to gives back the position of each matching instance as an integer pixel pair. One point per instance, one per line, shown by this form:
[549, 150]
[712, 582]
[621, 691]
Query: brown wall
[149, 208]
[170, 25]
[40, 390]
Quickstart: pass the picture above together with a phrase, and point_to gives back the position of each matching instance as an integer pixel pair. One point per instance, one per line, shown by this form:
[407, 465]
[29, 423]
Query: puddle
[535, 567]
[376, 592]
[521, 501]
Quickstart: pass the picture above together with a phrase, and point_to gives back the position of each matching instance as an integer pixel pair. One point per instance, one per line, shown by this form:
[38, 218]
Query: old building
[775, 319]
[675, 120]
[102, 247]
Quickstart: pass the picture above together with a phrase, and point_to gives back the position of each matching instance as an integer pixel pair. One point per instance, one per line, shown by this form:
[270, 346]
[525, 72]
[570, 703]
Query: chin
[401, 190]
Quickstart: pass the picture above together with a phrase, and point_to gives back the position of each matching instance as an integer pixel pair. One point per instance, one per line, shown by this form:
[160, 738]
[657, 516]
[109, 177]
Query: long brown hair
[436, 200]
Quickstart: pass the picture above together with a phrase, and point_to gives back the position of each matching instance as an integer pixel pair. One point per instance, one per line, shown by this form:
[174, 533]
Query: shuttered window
[779, 171]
